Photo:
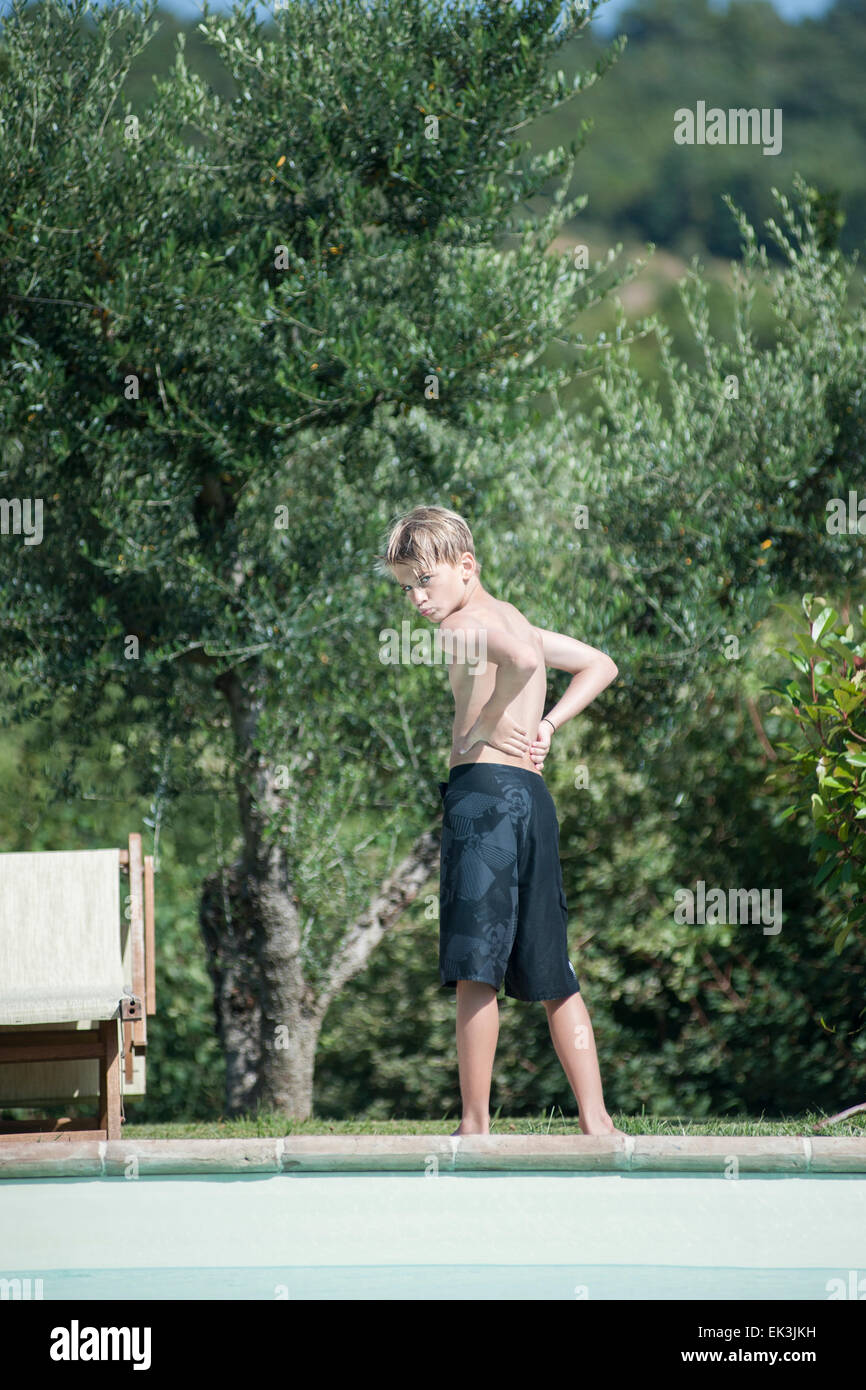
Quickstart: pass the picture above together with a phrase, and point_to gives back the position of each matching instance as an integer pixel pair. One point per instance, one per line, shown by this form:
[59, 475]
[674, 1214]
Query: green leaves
[829, 707]
[822, 622]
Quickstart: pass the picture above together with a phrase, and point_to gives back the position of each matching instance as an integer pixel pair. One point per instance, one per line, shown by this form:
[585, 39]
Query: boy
[503, 913]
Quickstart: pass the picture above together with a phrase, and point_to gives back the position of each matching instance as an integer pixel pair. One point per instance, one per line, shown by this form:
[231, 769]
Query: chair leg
[109, 1079]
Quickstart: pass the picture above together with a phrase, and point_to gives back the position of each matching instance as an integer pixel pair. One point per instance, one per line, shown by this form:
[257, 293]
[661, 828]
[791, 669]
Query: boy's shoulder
[493, 612]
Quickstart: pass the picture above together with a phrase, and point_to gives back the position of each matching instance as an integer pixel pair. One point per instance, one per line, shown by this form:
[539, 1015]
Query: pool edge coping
[805, 1155]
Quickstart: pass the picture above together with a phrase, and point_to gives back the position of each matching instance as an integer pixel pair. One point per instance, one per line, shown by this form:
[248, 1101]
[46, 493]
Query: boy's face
[437, 590]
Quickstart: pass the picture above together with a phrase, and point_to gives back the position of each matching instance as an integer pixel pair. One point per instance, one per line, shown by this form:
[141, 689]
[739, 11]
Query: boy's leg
[477, 1036]
[574, 1042]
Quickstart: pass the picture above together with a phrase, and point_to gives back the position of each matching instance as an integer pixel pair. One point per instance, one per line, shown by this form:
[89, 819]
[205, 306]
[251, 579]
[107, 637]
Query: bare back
[473, 687]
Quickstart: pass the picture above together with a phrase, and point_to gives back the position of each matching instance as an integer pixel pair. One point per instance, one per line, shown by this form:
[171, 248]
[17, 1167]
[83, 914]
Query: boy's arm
[593, 671]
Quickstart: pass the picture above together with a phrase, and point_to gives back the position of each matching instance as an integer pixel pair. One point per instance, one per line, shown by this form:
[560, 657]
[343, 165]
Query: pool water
[476, 1235]
[438, 1282]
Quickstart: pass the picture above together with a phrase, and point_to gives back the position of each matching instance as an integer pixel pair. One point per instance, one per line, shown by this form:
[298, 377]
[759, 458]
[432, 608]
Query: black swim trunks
[502, 908]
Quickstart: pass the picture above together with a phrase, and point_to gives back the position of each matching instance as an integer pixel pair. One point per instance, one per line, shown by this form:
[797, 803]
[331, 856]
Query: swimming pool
[434, 1234]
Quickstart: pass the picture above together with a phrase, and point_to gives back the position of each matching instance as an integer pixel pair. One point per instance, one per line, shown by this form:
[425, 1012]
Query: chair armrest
[136, 927]
[149, 937]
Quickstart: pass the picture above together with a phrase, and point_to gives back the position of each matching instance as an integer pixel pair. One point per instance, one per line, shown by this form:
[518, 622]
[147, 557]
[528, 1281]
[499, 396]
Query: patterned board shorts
[502, 908]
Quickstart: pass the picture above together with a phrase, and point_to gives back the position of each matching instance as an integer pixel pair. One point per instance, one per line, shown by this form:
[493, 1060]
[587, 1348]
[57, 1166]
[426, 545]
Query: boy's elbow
[601, 664]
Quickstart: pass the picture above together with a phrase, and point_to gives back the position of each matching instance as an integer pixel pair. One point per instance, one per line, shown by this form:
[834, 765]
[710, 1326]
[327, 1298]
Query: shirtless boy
[503, 915]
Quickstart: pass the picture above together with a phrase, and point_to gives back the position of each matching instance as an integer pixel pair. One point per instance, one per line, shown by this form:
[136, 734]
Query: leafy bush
[827, 703]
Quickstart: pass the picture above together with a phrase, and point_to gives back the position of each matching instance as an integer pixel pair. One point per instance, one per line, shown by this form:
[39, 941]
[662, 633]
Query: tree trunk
[268, 1015]
[267, 1018]
[291, 1016]
[230, 932]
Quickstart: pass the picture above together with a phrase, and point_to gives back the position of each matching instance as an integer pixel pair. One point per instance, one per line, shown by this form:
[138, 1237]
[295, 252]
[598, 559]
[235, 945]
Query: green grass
[271, 1125]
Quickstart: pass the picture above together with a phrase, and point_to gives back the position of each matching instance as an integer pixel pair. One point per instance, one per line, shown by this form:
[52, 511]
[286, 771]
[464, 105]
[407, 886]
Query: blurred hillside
[641, 185]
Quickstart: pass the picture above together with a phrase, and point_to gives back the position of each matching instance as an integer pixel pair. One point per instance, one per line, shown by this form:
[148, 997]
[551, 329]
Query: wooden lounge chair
[76, 983]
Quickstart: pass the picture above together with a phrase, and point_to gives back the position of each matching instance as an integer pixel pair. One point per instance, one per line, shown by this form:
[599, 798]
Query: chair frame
[104, 1041]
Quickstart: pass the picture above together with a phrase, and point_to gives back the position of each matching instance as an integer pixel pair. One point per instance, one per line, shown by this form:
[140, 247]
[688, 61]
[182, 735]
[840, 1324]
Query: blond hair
[427, 536]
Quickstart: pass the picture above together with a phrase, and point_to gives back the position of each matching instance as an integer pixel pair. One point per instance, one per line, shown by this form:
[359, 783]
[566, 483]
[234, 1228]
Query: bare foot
[461, 1130]
[603, 1125]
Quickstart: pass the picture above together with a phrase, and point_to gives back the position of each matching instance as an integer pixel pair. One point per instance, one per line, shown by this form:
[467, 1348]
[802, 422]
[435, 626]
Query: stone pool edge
[347, 1153]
